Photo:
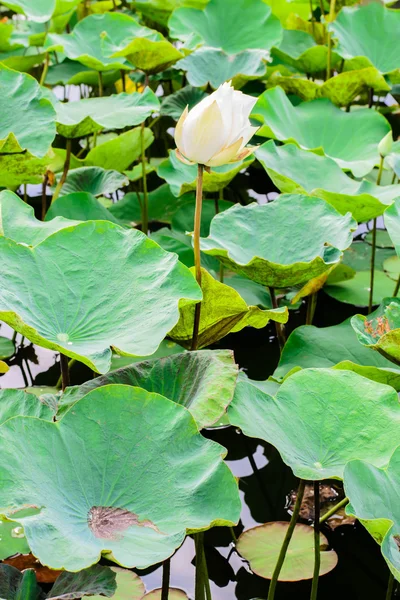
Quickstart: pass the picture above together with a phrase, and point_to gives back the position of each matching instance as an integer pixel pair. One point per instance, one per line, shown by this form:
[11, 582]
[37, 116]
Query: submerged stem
[199, 593]
[196, 245]
[373, 250]
[286, 541]
[63, 177]
[389, 591]
[166, 579]
[317, 543]
[279, 328]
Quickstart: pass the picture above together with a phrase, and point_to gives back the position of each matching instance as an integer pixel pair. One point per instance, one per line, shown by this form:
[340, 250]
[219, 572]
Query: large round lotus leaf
[162, 205]
[213, 66]
[319, 125]
[129, 586]
[343, 416]
[223, 311]
[117, 288]
[93, 180]
[120, 152]
[113, 456]
[12, 538]
[17, 169]
[174, 104]
[148, 50]
[79, 206]
[15, 403]
[39, 10]
[203, 382]
[77, 119]
[18, 221]
[299, 50]
[28, 119]
[294, 170]
[248, 24]
[182, 178]
[381, 329]
[356, 290]
[7, 347]
[173, 594]
[336, 346]
[370, 32]
[261, 545]
[93, 40]
[283, 243]
[373, 494]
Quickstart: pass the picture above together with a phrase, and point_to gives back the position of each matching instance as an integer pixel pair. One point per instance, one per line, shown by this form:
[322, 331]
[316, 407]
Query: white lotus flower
[216, 131]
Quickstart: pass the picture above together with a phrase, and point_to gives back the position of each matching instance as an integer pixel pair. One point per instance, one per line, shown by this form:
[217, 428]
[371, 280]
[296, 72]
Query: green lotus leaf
[173, 594]
[129, 586]
[70, 72]
[391, 267]
[284, 8]
[349, 417]
[356, 290]
[213, 66]
[166, 348]
[78, 322]
[392, 224]
[93, 180]
[338, 347]
[18, 221]
[358, 255]
[202, 381]
[370, 32]
[175, 241]
[261, 545]
[94, 580]
[7, 347]
[12, 538]
[113, 456]
[148, 50]
[381, 329]
[23, 168]
[294, 84]
[77, 119]
[39, 10]
[294, 170]
[223, 311]
[174, 104]
[393, 158]
[372, 492]
[15, 585]
[15, 403]
[136, 173]
[120, 152]
[79, 206]
[160, 10]
[305, 237]
[3, 367]
[162, 205]
[306, 125]
[259, 28]
[21, 59]
[299, 50]
[182, 178]
[28, 119]
[183, 219]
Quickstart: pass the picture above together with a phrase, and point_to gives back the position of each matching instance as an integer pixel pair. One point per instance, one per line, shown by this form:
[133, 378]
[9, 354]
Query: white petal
[226, 155]
[179, 130]
[202, 135]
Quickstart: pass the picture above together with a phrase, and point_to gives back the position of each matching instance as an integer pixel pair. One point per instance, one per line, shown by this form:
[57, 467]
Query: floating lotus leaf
[15, 403]
[321, 126]
[79, 206]
[120, 152]
[18, 221]
[336, 346]
[259, 28]
[173, 594]
[84, 316]
[203, 382]
[12, 538]
[28, 119]
[129, 586]
[7, 347]
[391, 267]
[373, 493]
[381, 329]
[182, 178]
[294, 170]
[358, 255]
[304, 238]
[174, 104]
[349, 417]
[162, 205]
[17, 169]
[209, 65]
[93, 180]
[113, 456]
[261, 545]
[223, 311]
[299, 50]
[77, 119]
[149, 50]
[356, 290]
[369, 32]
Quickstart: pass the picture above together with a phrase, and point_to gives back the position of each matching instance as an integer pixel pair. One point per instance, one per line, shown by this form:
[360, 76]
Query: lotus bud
[216, 131]
[385, 145]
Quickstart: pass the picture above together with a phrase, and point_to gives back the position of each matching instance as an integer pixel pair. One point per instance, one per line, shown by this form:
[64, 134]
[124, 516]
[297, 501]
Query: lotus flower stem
[329, 57]
[389, 592]
[100, 84]
[64, 371]
[166, 579]
[199, 593]
[312, 19]
[396, 289]
[145, 204]
[333, 510]
[373, 250]
[63, 177]
[278, 326]
[311, 306]
[221, 266]
[286, 541]
[317, 542]
[196, 244]
[45, 69]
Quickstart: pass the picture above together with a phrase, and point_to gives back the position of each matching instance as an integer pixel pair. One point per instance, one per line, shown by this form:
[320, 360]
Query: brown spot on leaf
[108, 522]
[377, 327]
[397, 540]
